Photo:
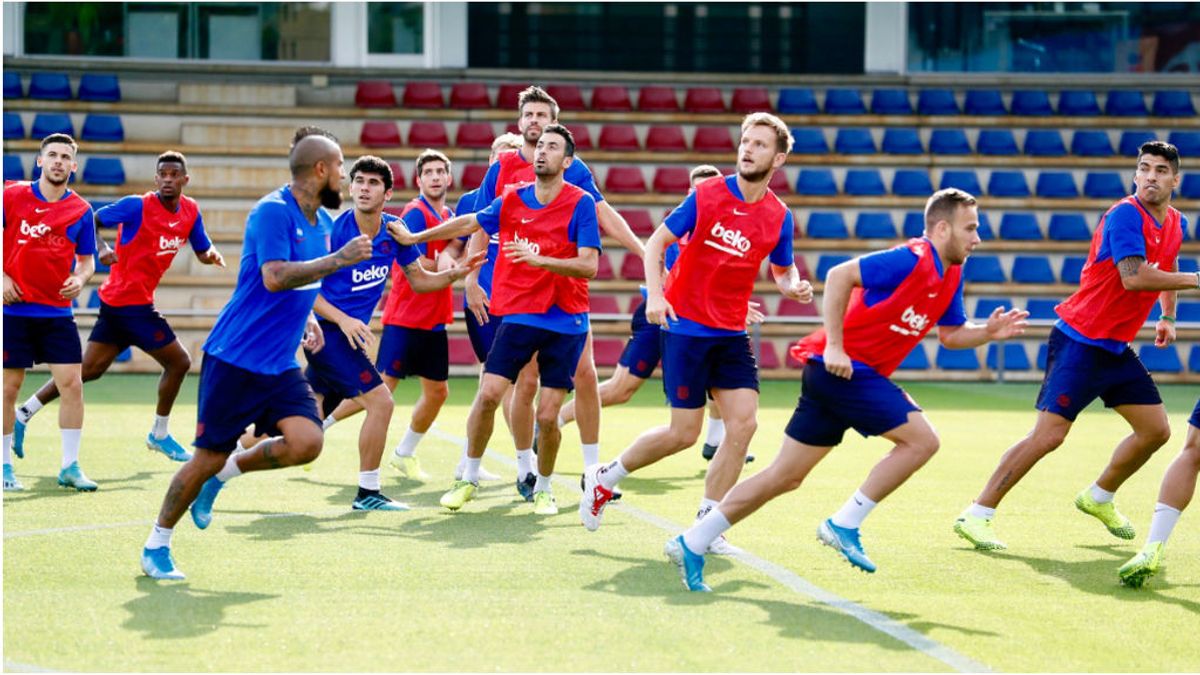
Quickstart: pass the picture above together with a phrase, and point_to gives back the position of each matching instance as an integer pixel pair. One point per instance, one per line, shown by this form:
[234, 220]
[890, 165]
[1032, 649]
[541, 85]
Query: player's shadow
[288, 526]
[659, 486]
[408, 491]
[169, 610]
[476, 528]
[47, 487]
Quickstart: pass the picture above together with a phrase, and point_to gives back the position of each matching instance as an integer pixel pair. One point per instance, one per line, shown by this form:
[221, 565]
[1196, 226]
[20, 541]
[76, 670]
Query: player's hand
[522, 252]
[1164, 333]
[1002, 325]
[837, 362]
[357, 249]
[71, 287]
[800, 291]
[478, 301]
[461, 268]
[12, 292]
[753, 314]
[401, 233]
[658, 309]
[108, 256]
[212, 257]
[314, 337]
[358, 333]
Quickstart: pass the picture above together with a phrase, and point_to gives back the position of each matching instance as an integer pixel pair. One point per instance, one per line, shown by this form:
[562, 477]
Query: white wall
[887, 37]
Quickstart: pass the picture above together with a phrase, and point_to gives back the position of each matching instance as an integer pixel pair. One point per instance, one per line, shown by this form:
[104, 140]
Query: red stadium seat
[395, 211]
[374, 94]
[423, 95]
[802, 265]
[666, 139]
[704, 100]
[751, 99]
[398, 182]
[619, 138]
[475, 135]
[779, 182]
[582, 135]
[769, 358]
[635, 300]
[762, 304]
[632, 268]
[639, 221]
[461, 352]
[607, 351]
[456, 300]
[624, 180]
[604, 270]
[509, 92]
[789, 307]
[712, 139]
[472, 176]
[788, 359]
[603, 304]
[658, 99]
[512, 128]
[469, 96]
[429, 134]
[568, 96]
[380, 134]
[672, 179]
[611, 98]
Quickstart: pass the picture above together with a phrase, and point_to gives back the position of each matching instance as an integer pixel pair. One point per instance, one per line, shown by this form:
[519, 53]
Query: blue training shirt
[468, 203]
[83, 233]
[356, 289]
[128, 212]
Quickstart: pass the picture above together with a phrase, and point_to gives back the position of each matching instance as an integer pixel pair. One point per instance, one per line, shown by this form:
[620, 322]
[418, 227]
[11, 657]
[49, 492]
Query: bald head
[312, 149]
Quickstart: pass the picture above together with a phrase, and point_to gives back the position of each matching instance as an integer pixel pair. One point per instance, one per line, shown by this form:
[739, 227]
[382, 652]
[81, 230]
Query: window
[395, 27]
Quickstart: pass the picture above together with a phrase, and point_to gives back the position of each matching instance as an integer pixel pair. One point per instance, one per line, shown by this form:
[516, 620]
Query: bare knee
[70, 387]
[437, 392]
[378, 403]
[1045, 441]
[180, 366]
[925, 448]
[681, 437]
[1157, 435]
[305, 446]
[741, 427]
[90, 373]
[547, 417]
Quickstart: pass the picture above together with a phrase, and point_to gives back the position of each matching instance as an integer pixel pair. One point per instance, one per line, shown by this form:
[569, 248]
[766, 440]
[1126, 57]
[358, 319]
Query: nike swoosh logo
[739, 213]
[933, 295]
[525, 221]
[40, 210]
[857, 502]
[173, 224]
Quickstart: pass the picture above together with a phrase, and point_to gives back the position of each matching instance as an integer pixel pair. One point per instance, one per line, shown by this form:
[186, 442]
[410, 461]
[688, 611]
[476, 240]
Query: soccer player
[249, 374]
[341, 370]
[877, 308]
[1130, 265]
[151, 228]
[1178, 487]
[734, 223]
[550, 245]
[47, 230]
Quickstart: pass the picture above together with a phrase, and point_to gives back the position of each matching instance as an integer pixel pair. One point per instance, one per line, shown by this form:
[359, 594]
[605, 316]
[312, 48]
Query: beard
[331, 198]
[754, 176]
[56, 182]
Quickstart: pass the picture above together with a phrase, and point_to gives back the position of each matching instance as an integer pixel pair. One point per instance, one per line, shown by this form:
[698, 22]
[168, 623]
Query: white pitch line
[147, 523]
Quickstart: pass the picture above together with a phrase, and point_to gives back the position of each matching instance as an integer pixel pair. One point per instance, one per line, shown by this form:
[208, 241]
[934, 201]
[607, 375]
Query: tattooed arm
[281, 275]
[1137, 275]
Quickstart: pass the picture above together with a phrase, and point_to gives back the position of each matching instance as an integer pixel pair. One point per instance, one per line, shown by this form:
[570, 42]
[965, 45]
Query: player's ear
[387, 196]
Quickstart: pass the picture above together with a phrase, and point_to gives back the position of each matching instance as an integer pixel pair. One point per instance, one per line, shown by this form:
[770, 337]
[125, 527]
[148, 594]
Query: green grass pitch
[289, 579]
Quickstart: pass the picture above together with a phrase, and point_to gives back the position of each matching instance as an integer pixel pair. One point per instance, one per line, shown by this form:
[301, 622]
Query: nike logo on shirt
[526, 221]
[173, 224]
[739, 213]
[40, 210]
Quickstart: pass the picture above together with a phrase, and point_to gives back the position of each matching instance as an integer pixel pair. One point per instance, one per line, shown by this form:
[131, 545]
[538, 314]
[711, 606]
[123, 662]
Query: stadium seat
[568, 96]
[658, 139]
[844, 102]
[619, 138]
[45, 124]
[864, 183]
[1072, 266]
[1173, 103]
[801, 267]
[1069, 227]
[103, 128]
[423, 95]
[50, 86]
[828, 261]
[1132, 140]
[104, 171]
[472, 176]
[983, 269]
[1078, 103]
[125, 356]
[668, 179]
[914, 223]
[582, 135]
[607, 351]
[1031, 102]
[639, 221]
[1188, 265]
[13, 169]
[703, 100]
[768, 358]
[984, 102]
[891, 102]
[1105, 184]
[469, 96]
[751, 99]
[956, 359]
[1188, 142]
[985, 228]
[985, 306]
[857, 141]
[1019, 226]
[779, 182]
[949, 142]
[1056, 185]
[1032, 269]
[809, 141]
[902, 142]
[374, 94]
[13, 127]
[474, 135]
[604, 268]
[963, 179]
[427, 133]
[508, 95]
[1015, 356]
[789, 307]
[657, 99]
[380, 134]
[1007, 184]
[1125, 103]
[936, 102]
[398, 182]
[1043, 349]
[911, 183]
[1044, 143]
[603, 304]
[460, 351]
[94, 299]
[1042, 308]
[1190, 187]
[826, 225]
[794, 101]
[1194, 359]
[1188, 311]
[1091, 143]
[12, 85]
[996, 142]
[917, 359]
[632, 268]
[611, 98]
[512, 128]
[816, 182]
[874, 225]
[712, 139]
[1160, 360]
[625, 180]
[98, 87]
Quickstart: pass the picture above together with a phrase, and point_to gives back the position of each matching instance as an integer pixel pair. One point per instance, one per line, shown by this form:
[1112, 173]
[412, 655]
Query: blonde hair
[703, 171]
[783, 137]
[507, 141]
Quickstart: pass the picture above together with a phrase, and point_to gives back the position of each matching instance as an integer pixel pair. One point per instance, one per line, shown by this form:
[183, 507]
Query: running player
[47, 230]
[877, 308]
[1130, 265]
[151, 228]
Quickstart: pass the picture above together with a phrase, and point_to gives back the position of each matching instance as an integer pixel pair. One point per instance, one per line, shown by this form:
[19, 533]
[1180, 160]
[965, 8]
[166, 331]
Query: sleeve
[682, 219]
[1123, 233]
[886, 269]
[487, 189]
[405, 255]
[956, 313]
[489, 218]
[466, 203]
[580, 175]
[414, 220]
[126, 212]
[85, 234]
[198, 237]
[267, 231]
[782, 254]
[585, 228]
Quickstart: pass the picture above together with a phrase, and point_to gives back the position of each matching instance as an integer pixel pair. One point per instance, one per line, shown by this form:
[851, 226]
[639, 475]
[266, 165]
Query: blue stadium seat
[956, 359]
[864, 183]
[844, 102]
[816, 182]
[917, 359]
[104, 171]
[1173, 103]
[891, 102]
[911, 183]
[50, 86]
[1042, 308]
[1188, 142]
[984, 102]
[996, 142]
[13, 169]
[1019, 226]
[809, 141]
[797, 101]
[1071, 268]
[1015, 356]
[1069, 227]
[1030, 102]
[914, 224]
[963, 179]
[1043, 349]
[854, 142]
[1194, 359]
[94, 300]
[826, 225]
[45, 124]
[902, 142]
[1044, 143]
[1032, 269]
[1105, 184]
[1078, 103]
[1091, 143]
[983, 269]
[1190, 187]
[13, 127]
[827, 262]
[1187, 311]
[101, 268]
[1056, 185]
[98, 87]
[937, 102]
[12, 85]
[874, 225]
[985, 228]
[1125, 103]
[985, 306]
[1007, 184]
[1132, 140]
[1189, 265]
[103, 128]
[125, 356]
[1164, 360]
[949, 142]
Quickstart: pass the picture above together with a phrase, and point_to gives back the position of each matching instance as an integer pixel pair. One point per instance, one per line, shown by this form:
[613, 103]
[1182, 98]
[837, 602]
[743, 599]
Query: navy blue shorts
[340, 370]
[693, 365]
[644, 348]
[1078, 373]
[233, 398]
[868, 402]
[140, 326]
[414, 351]
[483, 336]
[1194, 420]
[557, 354]
[40, 339]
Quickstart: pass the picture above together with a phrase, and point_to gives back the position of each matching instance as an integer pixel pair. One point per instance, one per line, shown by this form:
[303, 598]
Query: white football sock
[854, 511]
[70, 446]
[471, 470]
[27, 409]
[705, 531]
[612, 474]
[1100, 495]
[561, 422]
[706, 505]
[543, 484]
[716, 432]
[160, 537]
[591, 454]
[231, 468]
[8, 448]
[369, 480]
[524, 463]
[985, 512]
[328, 422]
[1163, 521]
[408, 444]
[159, 431]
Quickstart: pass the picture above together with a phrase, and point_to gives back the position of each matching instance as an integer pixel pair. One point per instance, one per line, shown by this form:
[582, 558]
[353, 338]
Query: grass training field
[289, 579]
